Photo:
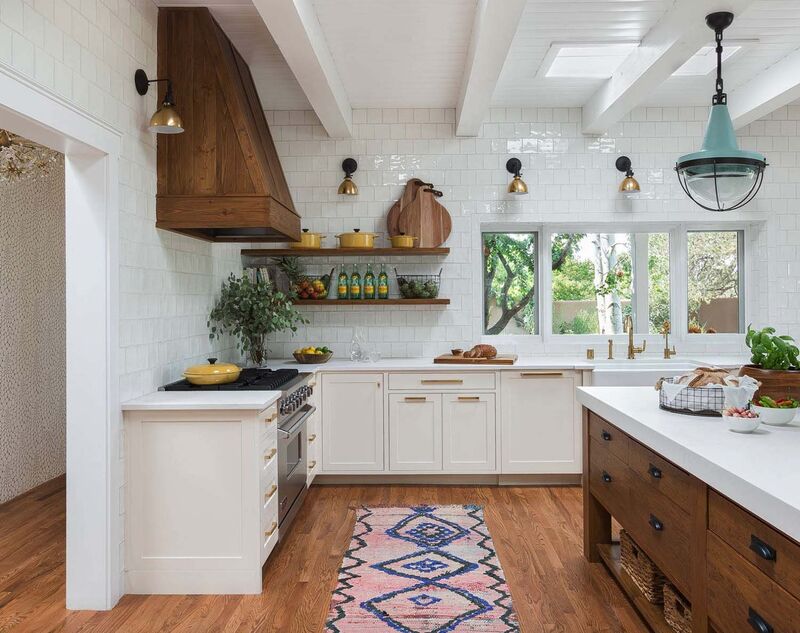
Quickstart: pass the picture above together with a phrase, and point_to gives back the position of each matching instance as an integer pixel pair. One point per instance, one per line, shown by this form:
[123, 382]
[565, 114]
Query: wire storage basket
[693, 400]
[419, 286]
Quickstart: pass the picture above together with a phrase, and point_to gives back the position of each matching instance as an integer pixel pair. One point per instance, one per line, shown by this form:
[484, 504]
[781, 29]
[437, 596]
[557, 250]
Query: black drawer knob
[762, 549]
[656, 523]
[606, 436]
[655, 473]
[606, 477]
[758, 623]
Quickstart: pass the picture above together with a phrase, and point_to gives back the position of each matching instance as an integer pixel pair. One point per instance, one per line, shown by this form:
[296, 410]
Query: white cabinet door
[352, 422]
[541, 422]
[415, 431]
[468, 432]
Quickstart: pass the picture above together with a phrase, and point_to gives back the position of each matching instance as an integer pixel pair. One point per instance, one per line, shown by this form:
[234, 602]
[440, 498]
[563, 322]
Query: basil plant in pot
[250, 310]
[774, 363]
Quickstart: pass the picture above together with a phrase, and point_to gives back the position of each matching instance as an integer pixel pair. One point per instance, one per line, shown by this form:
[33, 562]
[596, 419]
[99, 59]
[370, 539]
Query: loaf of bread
[481, 351]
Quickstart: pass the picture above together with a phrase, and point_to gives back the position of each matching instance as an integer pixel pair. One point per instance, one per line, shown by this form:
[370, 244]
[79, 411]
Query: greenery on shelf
[250, 310]
[771, 351]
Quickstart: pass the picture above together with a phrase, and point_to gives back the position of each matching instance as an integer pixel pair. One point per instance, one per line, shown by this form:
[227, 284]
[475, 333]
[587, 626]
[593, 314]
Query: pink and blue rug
[424, 569]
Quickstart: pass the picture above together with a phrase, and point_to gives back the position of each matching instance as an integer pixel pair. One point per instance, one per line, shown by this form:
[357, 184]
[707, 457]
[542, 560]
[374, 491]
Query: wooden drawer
[741, 599]
[661, 475]
[609, 480]
[774, 554]
[442, 381]
[663, 530]
[610, 437]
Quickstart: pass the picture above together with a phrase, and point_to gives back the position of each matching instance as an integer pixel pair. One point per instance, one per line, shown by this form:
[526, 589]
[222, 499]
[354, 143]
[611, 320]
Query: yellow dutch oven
[309, 240]
[403, 241]
[212, 373]
[357, 239]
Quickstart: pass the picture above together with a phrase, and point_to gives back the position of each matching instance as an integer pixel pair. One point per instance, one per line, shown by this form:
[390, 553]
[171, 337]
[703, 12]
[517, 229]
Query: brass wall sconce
[629, 184]
[348, 187]
[517, 186]
[166, 119]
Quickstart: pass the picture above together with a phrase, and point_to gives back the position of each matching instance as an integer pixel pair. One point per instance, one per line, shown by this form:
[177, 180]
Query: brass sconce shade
[629, 184]
[348, 187]
[517, 186]
[166, 119]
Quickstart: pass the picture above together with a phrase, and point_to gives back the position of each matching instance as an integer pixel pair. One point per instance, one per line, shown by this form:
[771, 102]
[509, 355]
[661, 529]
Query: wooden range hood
[221, 180]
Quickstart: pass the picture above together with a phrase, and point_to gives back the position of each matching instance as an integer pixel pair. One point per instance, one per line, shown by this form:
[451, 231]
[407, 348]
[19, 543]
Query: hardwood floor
[537, 533]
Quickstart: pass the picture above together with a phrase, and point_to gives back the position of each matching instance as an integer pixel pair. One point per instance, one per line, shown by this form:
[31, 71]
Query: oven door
[292, 463]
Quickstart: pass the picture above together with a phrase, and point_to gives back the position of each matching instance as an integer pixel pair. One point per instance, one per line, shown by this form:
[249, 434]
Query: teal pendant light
[720, 177]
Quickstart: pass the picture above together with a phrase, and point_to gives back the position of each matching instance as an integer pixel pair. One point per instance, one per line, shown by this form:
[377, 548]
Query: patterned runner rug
[424, 569]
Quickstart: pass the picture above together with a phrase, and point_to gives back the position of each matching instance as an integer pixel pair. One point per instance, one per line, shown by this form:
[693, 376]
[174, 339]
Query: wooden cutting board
[500, 359]
[426, 219]
[393, 217]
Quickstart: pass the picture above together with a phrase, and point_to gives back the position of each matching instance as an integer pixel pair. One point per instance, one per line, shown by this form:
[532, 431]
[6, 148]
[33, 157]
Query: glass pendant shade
[721, 177]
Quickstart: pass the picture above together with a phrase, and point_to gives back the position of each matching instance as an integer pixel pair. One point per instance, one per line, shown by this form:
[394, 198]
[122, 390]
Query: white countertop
[759, 471]
[194, 400]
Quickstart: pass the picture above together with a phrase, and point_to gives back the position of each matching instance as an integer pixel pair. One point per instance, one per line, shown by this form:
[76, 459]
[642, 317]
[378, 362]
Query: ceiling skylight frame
[625, 45]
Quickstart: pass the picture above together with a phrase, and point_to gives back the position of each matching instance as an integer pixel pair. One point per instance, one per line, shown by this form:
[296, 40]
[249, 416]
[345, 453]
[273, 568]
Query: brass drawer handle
[270, 493]
[312, 437]
[271, 418]
[762, 549]
[469, 398]
[312, 464]
[540, 374]
[271, 530]
[415, 399]
[443, 381]
[268, 456]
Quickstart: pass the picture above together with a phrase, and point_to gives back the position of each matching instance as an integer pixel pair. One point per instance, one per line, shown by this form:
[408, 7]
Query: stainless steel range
[293, 413]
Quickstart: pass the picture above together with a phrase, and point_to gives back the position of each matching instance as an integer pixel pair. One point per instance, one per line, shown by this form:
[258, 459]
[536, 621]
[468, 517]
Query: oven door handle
[295, 428]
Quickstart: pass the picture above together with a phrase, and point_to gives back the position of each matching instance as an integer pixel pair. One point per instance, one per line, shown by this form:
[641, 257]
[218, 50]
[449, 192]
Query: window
[599, 279]
[510, 302]
[714, 281]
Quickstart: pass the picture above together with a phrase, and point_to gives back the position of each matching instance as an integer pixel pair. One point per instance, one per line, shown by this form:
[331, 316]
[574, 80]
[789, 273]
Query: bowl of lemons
[312, 355]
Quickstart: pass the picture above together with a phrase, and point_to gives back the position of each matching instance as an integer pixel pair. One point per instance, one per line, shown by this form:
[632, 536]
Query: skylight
[589, 60]
[704, 61]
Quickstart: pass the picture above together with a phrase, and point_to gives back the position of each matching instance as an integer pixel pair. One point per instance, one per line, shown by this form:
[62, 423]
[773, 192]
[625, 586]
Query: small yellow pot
[309, 240]
[403, 241]
[212, 373]
[357, 239]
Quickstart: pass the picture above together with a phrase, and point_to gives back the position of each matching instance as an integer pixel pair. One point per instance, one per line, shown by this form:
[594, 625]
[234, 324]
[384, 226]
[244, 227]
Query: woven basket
[644, 573]
[677, 611]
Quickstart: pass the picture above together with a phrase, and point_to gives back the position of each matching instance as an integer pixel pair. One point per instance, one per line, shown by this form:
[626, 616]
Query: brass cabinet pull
[469, 398]
[271, 418]
[312, 464]
[415, 399]
[443, 381]
[271, 530]
[270, 493]
[268, 456]
[312, 437]
[540, 374]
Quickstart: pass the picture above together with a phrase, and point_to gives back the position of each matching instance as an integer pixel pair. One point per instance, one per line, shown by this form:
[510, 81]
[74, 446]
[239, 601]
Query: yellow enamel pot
[357, 239]
[403, 241]
[212, 373]
[309, 240]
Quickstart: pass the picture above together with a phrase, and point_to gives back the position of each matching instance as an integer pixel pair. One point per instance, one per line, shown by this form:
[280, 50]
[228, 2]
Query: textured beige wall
[32, 330]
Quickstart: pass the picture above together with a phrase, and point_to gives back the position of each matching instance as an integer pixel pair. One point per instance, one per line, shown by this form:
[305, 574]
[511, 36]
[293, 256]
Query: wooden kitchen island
[717, 512]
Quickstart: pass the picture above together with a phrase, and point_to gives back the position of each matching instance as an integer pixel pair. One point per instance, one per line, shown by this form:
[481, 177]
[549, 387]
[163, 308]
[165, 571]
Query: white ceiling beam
[495, 24]
[774, 88]
[678, 35]
[295, 28]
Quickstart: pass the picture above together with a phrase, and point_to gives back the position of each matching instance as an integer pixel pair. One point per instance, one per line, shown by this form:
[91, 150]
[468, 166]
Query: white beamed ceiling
[413, 53]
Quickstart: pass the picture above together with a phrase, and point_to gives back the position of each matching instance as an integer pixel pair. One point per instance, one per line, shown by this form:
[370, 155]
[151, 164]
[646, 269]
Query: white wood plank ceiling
[335, 55]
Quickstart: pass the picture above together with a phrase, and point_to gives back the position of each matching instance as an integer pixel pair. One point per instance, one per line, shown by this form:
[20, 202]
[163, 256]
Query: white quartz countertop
[759, 471]
[194, 400]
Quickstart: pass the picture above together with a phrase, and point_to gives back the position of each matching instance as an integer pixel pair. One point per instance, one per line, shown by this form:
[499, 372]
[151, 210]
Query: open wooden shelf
[652, 614]
[371, 302]
[334, 252]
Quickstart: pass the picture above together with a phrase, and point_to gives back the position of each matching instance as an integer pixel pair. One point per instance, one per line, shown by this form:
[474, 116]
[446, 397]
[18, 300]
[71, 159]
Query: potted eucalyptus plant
[774, 363]
[250, 310]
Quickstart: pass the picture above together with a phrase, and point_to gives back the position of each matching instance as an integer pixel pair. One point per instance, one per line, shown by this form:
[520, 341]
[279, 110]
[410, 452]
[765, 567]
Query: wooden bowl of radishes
[741, 419]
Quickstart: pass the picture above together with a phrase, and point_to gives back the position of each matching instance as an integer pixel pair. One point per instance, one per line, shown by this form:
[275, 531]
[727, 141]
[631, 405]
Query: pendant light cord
[720, 97]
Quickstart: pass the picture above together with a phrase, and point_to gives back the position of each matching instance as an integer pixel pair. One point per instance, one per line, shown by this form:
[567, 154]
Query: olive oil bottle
[383, 283]
[343, 285]
[355, 283]
[369, 283]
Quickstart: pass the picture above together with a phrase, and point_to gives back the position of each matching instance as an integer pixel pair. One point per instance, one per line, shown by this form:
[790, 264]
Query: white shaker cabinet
[541, 422]
[352, 422]
[415, 432]
[469, 431]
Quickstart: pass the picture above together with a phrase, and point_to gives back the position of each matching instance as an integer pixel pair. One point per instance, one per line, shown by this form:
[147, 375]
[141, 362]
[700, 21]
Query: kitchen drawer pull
[270, 493]
[757, 622]
[268, 456]
[271, 418]
[312, 437]
[540, 374]
[655, 473]
[605, 435]
[415, 399]
[312, 465]
[469, 398]
[606, 477]
[656, 523]
[443, 381]
[762, 549]
[271, 530]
